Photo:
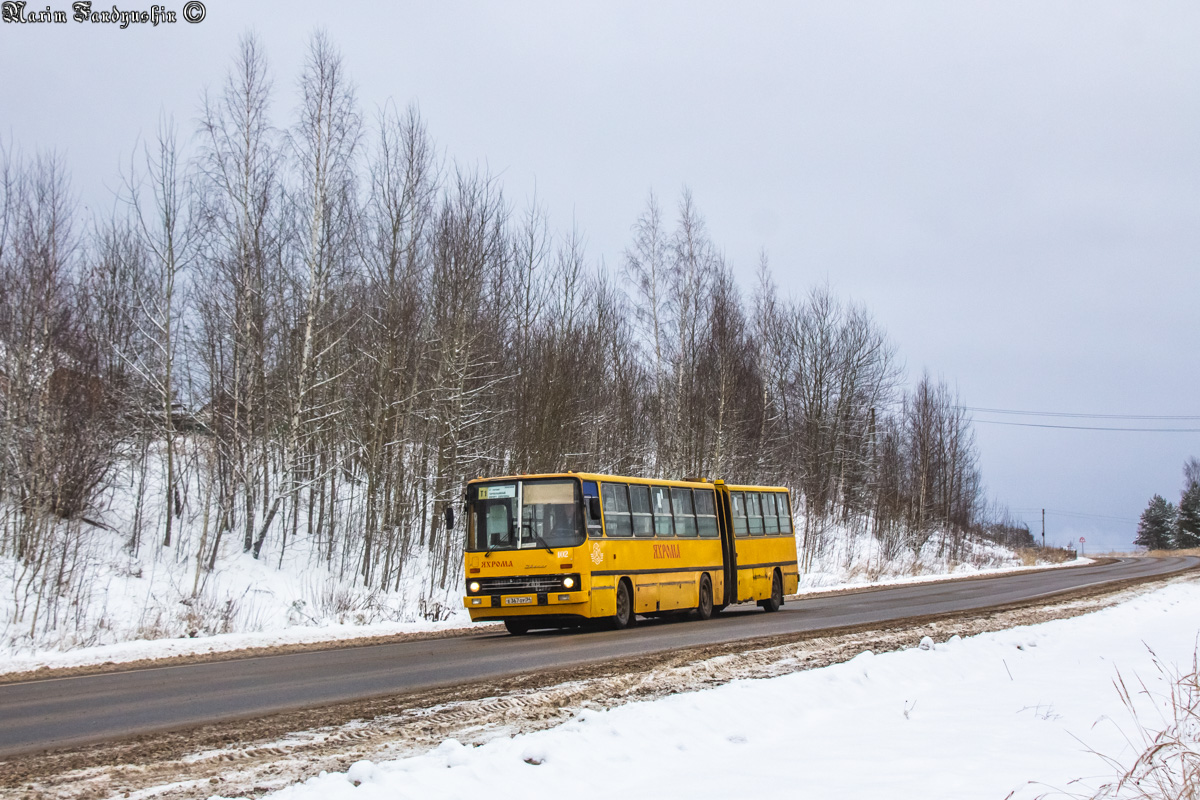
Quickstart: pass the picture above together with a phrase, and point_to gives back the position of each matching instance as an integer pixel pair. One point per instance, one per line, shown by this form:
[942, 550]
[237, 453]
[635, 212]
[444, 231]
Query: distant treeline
[311, 337]
[1165, 526]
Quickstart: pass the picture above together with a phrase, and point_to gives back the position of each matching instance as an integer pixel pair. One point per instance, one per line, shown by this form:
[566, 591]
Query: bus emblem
[597, 556]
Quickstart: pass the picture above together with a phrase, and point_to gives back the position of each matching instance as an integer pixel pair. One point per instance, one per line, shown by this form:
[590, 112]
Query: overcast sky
[1012, 189]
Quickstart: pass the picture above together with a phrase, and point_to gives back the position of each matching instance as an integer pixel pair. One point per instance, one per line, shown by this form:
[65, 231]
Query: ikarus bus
[560, 549]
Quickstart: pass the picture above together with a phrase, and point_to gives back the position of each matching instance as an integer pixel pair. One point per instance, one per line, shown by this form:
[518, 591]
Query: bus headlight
[568, 582]
[473, 587]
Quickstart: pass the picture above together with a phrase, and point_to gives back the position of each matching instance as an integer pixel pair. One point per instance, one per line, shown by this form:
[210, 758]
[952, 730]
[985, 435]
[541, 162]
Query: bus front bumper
[507, 603]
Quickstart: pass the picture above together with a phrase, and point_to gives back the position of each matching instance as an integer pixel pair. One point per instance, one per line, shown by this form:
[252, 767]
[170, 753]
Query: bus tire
[704, 608]
[776, 599]
[624, 617]
[517, 627]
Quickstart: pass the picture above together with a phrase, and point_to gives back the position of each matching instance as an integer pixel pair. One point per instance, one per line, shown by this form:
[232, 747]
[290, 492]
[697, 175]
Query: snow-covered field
[1022, 713]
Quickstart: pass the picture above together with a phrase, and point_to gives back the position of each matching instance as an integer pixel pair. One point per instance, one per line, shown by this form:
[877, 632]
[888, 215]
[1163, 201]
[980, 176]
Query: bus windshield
[515, 515]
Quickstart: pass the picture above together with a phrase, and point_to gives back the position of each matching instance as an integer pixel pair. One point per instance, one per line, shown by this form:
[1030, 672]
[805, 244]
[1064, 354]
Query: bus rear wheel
[776, 599]
[704, 610]
[624, 617]
[517, 627]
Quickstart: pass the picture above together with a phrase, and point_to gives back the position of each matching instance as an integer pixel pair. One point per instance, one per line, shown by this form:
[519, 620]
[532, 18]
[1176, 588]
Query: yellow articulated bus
[559, 549]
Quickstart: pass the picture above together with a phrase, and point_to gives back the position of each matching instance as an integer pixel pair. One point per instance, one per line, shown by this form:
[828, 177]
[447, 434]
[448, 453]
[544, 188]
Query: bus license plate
[518, 601]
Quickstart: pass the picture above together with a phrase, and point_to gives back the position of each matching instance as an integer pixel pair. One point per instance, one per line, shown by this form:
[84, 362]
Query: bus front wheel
[704, 610]
[776, 599]
[624, 616]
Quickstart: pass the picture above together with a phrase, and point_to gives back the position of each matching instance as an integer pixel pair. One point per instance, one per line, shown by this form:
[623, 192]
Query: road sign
[1081, 540]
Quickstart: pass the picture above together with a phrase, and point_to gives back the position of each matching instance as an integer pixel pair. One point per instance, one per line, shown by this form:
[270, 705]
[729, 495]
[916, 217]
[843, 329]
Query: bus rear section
[760, 544]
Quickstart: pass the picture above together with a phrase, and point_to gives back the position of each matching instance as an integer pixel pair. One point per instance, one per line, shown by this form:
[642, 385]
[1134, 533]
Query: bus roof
[595, 476]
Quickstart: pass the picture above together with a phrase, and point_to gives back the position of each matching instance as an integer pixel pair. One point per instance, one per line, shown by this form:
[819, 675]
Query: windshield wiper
[492, 547]
[537, 539]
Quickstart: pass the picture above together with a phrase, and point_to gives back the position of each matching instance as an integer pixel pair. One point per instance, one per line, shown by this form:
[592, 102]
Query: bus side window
[770, 514]
[754, 512]
[660, 503]
[615, 500]
[685, 516]
[785, 513]
[706, 512]
[737, 502]
[590, 490]
[639, 504]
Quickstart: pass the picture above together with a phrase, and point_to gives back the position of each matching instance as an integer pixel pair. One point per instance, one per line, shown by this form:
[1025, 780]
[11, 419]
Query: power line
[1076, 414]
[1084, 427]
[1077, 514]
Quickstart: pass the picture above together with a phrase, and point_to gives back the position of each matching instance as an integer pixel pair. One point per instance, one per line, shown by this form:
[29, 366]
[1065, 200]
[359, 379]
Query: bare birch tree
[399, 214]
[646, 266]
[160, 209]
[238, 162]
[324, 143]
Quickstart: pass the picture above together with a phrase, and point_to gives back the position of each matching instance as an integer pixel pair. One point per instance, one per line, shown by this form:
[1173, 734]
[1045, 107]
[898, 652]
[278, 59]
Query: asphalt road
[62, 712]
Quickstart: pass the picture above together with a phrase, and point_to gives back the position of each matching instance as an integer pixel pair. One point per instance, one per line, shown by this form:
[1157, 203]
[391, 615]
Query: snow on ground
[277, 600]
[143, 649]
[135, 608]
[124, 607]
[139, 608]
[1010, 714]
[849, 555]
[153, 602]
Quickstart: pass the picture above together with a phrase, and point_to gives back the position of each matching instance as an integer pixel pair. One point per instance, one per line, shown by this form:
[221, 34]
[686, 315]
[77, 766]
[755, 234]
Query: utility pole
[1043, 529]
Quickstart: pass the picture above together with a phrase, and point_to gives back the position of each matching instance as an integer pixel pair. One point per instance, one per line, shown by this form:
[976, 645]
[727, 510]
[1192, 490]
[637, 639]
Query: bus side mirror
[594, 508]
[449, 518]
